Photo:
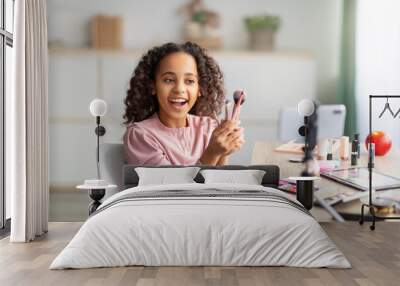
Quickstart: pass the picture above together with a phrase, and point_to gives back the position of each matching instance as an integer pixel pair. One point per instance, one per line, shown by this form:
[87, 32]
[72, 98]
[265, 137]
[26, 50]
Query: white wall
[378, 64]
[307, 25]
[312, 26]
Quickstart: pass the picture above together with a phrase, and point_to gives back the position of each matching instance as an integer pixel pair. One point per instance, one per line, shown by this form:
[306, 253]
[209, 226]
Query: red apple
[383, 143]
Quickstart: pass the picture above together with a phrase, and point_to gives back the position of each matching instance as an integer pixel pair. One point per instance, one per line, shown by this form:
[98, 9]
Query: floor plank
[375, 257]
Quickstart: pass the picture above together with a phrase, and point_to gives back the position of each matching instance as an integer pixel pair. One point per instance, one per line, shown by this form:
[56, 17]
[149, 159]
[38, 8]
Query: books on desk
[289, 186]
[293, 147]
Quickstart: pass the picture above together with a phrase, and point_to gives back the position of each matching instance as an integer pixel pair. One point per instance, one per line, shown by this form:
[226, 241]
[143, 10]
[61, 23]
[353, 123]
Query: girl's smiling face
[176, 88]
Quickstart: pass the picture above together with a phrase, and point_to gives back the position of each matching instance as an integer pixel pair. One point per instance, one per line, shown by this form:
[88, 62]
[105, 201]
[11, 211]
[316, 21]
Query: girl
[173, 92]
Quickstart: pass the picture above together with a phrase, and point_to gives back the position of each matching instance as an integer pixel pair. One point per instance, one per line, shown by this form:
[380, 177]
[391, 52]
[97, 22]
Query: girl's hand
[225, 140]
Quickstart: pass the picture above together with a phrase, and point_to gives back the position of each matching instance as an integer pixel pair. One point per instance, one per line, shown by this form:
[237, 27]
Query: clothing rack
[370, 205]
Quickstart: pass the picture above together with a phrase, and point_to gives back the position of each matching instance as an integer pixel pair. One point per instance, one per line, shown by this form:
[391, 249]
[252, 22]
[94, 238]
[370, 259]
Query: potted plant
[262, 29]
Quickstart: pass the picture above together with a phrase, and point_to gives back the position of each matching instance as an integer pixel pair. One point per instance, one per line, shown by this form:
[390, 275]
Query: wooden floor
[375, 257]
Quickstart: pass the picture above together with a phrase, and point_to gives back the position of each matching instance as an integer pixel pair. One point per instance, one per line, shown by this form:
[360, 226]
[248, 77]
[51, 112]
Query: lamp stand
[97, 194]
[100, 131]
[304, 184]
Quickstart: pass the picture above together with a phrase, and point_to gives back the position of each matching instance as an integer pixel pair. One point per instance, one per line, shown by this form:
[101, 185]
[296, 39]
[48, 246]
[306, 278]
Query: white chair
[330, 121]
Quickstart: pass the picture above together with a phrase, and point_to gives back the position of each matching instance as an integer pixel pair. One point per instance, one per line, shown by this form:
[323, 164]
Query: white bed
[200, 224]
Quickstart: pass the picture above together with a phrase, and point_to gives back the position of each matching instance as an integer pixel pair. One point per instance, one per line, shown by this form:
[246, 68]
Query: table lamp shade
[98, 107]
[306, 107]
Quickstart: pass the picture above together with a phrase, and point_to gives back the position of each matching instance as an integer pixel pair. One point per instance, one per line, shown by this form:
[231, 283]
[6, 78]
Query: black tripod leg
[362, 215]
[372, 211]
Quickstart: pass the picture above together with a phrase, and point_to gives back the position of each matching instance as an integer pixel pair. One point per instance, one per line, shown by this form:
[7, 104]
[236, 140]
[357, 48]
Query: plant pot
[262, 40]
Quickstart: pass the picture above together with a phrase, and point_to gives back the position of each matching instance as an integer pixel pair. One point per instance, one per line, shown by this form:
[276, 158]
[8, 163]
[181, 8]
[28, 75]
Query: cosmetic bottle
[344, 148]
[357, 139]
[329, 156]
[323, 149]
[354, 156]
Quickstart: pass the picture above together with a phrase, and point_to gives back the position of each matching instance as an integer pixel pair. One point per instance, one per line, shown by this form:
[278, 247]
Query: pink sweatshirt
[150, 142]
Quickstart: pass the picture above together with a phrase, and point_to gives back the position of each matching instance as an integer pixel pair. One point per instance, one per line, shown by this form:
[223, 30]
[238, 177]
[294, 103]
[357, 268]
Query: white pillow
[163, 176]
[249, 177]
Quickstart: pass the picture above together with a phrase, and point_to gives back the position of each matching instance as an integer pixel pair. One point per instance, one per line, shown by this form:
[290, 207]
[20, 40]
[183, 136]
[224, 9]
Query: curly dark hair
[141, 104]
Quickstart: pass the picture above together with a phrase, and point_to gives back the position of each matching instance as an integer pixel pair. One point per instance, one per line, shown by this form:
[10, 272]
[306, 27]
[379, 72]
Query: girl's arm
[208, 158]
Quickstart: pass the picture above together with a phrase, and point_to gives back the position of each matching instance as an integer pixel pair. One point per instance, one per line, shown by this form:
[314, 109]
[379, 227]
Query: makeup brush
[239, 96]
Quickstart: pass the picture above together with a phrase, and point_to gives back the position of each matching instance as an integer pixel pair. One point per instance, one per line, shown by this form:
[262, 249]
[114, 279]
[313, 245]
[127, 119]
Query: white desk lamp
[97, 188]
[305, 184]
[98, 108]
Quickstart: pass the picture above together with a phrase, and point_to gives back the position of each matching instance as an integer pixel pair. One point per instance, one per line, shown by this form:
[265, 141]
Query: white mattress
[190, 230]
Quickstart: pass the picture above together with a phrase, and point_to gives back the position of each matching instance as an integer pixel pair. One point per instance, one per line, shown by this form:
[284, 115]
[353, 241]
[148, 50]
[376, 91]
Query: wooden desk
[263, 153]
